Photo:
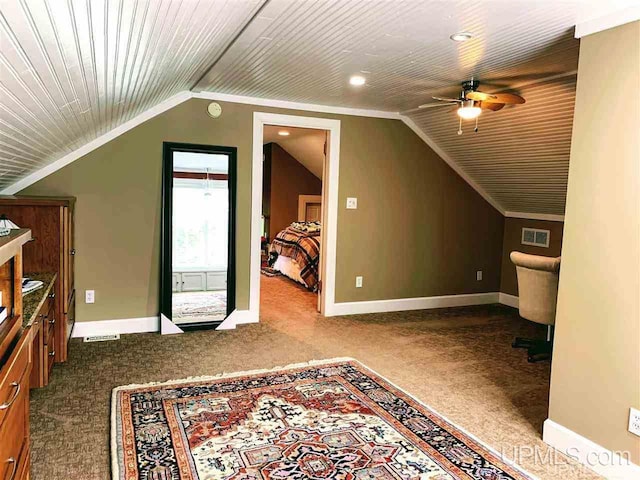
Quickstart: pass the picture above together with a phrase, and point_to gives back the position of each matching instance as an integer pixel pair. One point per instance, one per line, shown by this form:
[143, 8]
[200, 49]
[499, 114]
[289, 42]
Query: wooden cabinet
[40, 312]
[15, 362]
[52, 250]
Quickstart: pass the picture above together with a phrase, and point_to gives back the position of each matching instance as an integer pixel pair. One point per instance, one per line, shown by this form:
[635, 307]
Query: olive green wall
[419, 229]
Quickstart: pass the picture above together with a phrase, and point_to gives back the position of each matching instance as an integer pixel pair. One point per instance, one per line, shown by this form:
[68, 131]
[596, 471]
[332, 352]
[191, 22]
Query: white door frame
[329, 211]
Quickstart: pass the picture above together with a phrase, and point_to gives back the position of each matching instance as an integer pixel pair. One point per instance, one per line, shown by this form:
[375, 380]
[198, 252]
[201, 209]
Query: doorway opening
[329, 211]
[292, 207]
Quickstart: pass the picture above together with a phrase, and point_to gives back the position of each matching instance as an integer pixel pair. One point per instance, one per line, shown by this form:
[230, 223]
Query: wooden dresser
[51, 252]
[15, 362]
[38, 312]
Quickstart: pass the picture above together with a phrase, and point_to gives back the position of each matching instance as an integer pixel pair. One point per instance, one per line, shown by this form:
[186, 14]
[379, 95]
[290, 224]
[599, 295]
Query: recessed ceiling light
[461, 36]
[357, 80]
[283, 133]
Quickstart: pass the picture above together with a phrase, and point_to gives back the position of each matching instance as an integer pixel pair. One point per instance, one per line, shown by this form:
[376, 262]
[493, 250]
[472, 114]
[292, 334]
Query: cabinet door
[193, 281]
[68, 253]
[216, 280]
[176, 282]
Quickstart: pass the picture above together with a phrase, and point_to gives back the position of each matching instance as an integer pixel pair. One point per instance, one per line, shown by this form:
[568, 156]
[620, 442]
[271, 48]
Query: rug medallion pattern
[323, 421]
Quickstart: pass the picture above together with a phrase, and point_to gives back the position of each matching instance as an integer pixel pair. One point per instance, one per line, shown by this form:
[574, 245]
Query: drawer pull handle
[15, 385]
[52, 295]
[15, 467]
[52, 354]
[73, 251]
[52, 321]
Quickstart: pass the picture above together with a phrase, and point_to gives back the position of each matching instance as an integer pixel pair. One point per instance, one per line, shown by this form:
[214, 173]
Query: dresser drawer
[14, 433]
[14, 377]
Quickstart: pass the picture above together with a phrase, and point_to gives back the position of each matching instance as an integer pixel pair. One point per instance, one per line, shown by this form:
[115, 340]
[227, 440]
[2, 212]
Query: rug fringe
[225, 375]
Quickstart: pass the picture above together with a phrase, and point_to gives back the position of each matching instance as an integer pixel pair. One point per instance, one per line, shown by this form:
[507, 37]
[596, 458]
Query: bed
[295, 252]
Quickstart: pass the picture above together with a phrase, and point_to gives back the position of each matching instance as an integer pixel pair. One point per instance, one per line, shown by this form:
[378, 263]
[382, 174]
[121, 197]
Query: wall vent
[535, 237]
[102, 338]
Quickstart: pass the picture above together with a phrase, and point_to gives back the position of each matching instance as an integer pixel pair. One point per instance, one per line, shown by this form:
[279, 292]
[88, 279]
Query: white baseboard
[240, 317]
[150, 324]
[121, 326]
[510, 300]
[612, 465]
[420, 303]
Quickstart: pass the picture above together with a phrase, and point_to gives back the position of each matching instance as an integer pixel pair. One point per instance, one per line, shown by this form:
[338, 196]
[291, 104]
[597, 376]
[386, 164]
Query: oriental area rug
[333, 419]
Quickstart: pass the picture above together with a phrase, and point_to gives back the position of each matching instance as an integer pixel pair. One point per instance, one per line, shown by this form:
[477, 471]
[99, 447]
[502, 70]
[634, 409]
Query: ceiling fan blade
[431, 105]
[444, 99]
[510, 98]
[491, 106]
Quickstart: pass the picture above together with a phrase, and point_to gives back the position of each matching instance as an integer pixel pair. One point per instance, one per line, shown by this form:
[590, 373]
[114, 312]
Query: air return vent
[535, 237]
[102, 338]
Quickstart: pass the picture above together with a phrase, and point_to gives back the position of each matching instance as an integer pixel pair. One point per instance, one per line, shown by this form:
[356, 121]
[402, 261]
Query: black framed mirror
[197, 284]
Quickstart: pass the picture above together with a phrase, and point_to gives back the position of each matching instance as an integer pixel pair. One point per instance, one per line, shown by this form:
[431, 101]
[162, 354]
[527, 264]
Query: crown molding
[607, 20]
[550, 217]
[309, 107]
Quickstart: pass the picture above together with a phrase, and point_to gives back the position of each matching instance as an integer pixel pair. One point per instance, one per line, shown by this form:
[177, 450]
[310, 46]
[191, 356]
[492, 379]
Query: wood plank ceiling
[72, 71]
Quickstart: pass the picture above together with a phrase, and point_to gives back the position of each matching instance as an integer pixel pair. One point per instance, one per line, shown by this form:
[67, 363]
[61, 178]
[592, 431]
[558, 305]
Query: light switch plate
[634, 421]
[89, 296]
[358, 282]
[352, 203]
[479, 275]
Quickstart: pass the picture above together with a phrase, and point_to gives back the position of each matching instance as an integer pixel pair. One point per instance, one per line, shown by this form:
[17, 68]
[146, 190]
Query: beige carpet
[458, 361]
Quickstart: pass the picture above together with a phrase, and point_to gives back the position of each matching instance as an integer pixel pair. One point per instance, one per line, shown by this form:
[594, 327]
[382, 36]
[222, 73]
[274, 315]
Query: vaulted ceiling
[72, 71]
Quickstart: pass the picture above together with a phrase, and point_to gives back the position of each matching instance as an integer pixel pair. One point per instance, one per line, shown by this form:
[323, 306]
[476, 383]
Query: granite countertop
[32, 301]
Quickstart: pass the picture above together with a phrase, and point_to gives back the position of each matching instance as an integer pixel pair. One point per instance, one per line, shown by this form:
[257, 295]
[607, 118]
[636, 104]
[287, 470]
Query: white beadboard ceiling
[72, 71]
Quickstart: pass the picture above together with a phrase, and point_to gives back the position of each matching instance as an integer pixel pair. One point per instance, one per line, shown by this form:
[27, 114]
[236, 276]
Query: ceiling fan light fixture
[357, 80]
[468, 110]
[461, 36]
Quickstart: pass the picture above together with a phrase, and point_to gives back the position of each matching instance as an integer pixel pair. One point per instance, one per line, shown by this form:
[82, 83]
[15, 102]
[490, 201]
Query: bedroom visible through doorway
[292, 209]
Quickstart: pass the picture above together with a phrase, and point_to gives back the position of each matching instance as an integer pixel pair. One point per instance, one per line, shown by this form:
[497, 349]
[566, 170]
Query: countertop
[32, 301]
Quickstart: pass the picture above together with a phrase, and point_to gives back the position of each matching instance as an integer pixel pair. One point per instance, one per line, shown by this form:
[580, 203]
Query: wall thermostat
[214, 109]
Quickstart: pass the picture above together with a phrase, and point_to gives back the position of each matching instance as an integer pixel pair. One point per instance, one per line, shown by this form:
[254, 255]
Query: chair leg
[521, 342]
[541, 351]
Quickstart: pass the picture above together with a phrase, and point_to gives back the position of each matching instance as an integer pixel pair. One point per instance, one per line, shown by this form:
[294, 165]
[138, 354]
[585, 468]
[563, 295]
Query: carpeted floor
[458, 361]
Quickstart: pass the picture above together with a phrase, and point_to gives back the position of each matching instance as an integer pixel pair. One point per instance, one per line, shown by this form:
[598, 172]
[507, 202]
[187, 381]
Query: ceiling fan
[472, 102]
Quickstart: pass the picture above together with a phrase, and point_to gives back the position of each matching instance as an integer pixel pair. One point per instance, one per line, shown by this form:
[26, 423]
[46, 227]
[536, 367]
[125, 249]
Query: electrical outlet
[358, 282]
[479, 275]
[352, 203]
[634, 421]
[89, 296]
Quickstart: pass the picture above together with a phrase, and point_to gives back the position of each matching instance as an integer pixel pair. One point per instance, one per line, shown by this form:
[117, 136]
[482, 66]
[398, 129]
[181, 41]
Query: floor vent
[102, 338]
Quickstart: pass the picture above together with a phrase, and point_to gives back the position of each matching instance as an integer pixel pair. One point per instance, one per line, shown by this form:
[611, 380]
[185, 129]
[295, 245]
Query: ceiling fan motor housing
[470, 85]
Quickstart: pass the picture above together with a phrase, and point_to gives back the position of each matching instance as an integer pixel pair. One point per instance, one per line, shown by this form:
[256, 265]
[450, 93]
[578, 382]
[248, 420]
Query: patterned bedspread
[304, 248]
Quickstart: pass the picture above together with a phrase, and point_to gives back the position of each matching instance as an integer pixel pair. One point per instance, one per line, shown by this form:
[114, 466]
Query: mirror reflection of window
[200, 234]
[200, 237]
